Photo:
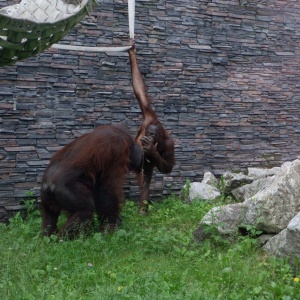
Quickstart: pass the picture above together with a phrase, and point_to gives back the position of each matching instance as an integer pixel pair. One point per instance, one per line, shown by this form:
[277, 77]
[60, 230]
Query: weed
[186, 190]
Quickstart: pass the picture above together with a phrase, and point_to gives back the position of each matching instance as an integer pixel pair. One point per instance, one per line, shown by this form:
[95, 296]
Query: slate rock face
[223, 77]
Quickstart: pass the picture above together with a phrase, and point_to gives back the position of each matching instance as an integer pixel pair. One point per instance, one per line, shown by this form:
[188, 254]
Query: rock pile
[269, 202]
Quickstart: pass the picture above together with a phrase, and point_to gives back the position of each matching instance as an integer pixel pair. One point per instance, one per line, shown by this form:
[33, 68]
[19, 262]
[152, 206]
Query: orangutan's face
[152, 132]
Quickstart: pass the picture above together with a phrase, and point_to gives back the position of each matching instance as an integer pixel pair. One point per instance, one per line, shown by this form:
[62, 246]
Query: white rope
[91, 49]
[131, 19]
[131, 16]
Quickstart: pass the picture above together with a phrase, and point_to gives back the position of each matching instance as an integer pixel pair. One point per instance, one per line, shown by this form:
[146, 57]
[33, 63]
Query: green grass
[152, 257]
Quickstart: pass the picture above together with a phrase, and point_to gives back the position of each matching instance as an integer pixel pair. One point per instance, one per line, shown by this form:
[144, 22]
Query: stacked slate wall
[223, 76]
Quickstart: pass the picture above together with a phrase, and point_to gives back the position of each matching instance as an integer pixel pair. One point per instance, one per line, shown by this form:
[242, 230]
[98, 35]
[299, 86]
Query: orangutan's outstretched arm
[139, 87]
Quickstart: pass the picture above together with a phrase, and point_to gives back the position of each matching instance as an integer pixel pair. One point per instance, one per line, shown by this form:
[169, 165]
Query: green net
[32, 26]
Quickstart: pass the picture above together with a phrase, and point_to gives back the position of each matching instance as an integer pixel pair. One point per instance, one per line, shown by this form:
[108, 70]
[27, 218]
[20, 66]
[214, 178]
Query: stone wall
[223, 75]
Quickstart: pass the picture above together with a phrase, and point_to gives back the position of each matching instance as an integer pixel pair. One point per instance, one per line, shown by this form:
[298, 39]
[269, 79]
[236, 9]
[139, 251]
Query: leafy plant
[31, 205]
[186, 190]
[225, 197]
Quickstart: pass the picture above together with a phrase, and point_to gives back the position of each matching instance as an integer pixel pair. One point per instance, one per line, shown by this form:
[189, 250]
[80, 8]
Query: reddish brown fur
[158, 148]
[87, 175]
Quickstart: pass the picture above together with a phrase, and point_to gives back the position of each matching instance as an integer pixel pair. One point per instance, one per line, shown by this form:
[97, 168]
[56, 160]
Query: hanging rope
[91, 49]
[32, 26]
[131, 20]
[131, 17]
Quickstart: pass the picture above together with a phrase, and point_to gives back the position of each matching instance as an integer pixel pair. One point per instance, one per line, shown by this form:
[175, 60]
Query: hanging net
[32, 26]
